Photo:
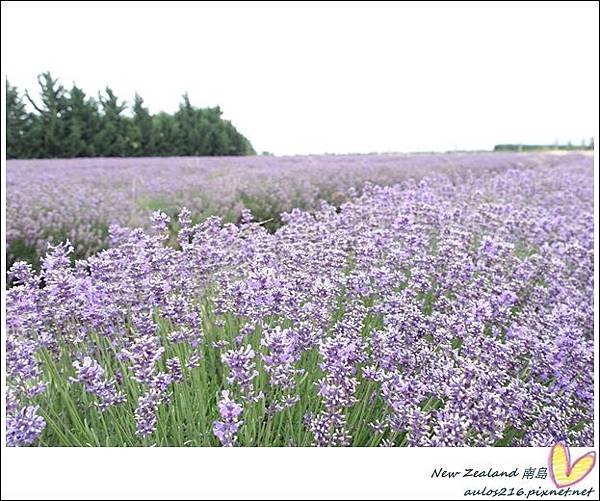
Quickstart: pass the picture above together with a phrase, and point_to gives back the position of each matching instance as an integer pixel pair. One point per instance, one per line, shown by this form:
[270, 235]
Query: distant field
[78, 199]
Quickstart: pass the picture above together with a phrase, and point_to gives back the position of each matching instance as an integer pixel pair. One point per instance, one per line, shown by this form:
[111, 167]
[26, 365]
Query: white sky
[331, 78]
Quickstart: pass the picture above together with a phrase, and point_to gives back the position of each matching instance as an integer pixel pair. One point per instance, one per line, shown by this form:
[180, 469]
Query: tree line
[66, 123]
[545, 147]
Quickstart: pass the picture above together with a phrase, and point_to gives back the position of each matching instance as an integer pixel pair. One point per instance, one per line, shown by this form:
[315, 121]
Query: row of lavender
[55, 200]
[428, 313]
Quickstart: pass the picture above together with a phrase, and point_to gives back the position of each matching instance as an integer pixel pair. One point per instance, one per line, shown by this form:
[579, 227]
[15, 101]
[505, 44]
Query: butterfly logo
[565, 473]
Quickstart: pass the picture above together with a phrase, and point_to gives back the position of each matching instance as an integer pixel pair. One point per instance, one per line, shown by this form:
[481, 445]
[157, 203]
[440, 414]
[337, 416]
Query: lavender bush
[452, 309]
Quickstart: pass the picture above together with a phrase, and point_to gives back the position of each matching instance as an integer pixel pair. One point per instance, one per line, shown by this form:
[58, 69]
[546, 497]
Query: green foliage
[18, 124]
[82, 123]
[141, 134]
[68, 124]
[545, 147]
[49, 125]
[112, 137]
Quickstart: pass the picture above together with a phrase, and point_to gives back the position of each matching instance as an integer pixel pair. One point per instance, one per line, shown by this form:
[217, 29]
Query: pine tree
[166, 135]
[18, 124]
[142, 131]
[49, 131]
[189, 139]
[82, 121]
[111, 140]
[69, 124]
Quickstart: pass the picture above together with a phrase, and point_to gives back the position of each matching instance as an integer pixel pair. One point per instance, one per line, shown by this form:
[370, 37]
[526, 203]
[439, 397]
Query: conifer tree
[68, 124]
[111, 140]
[18, 124]
[49, 130]
[166, 134]
[142, 134]
[82, 122]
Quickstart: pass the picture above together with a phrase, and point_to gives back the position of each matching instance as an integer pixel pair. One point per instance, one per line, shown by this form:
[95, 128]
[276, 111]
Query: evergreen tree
[69, 124]
[18, 124]
[190, 140]
[166, 135]
[142, 133]
[111, 140]
[82, 122]
[218, 142]
[49, 131]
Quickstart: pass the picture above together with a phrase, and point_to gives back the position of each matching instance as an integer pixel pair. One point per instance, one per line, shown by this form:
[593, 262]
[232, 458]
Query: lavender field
[78, 199]
[414, 300]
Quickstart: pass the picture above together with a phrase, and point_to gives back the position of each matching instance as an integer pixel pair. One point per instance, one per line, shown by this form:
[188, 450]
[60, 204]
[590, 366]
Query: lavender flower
[91, 375]
[145, 412]
[242, 368]
[226, 429]
[174, 368]
[24, 426]
[193, 361]
[143, 353]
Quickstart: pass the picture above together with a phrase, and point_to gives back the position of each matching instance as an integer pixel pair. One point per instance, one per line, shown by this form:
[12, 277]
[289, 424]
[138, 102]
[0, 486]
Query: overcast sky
[312, 78]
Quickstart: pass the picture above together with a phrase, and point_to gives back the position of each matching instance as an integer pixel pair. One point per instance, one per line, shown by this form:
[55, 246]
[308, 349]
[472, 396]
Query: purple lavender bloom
[242, 368]
[186, 231]
[12, 401]
[21, 360]
[193, 361]
[226, 429]
[174, 368]
[143, 353]
[91, 375]
[24, 426]
[329, 429]
[160, 223]
[283, 354]
[36, 389]
[145, 412]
